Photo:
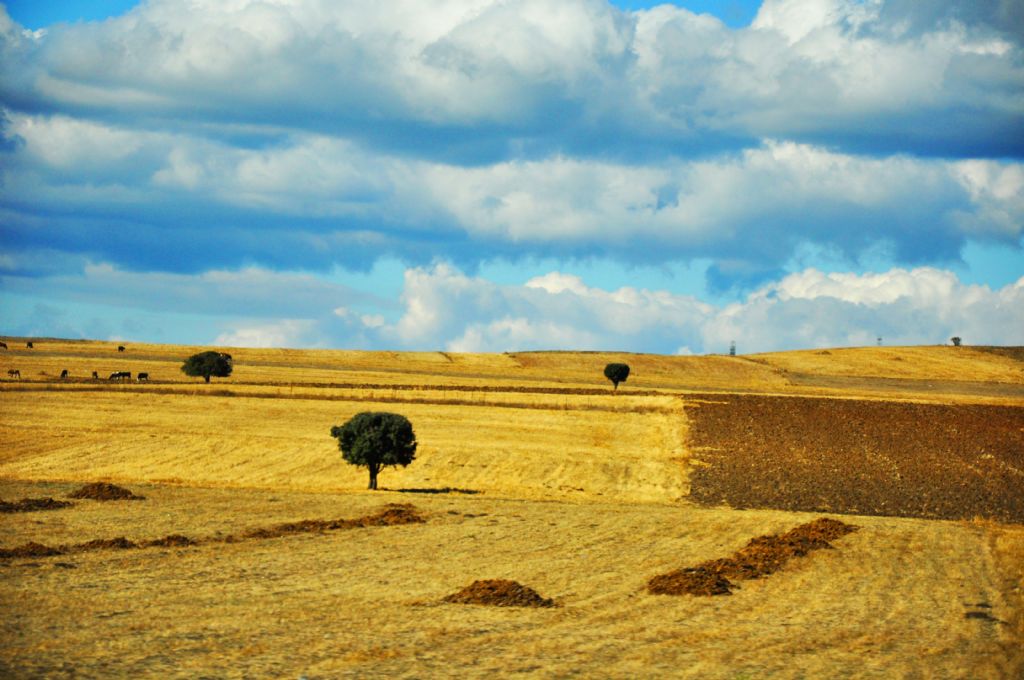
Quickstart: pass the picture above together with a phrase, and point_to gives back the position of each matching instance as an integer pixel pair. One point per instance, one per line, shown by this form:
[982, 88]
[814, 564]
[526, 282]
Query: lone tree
[376, 439]
[955, 340]
[206, 364]
[616, 373]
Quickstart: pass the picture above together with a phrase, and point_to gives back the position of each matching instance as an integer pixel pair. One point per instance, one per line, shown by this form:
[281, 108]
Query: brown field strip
[858, 457]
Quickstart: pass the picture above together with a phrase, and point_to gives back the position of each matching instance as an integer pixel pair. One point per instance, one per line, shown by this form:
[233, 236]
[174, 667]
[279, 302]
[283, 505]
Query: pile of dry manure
[119, 543]
[499, 593]
[762, 556]
[393, 514]
[104, 491]
[170, 541]
[31, 549]
[33, 505]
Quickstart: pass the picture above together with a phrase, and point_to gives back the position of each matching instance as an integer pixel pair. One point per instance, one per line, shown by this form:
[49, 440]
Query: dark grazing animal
[95, 375]
[64, 374]
[14, 373]
[28, 344]
[120, 348]
[143, 377]
[3, 345]
[120, 375]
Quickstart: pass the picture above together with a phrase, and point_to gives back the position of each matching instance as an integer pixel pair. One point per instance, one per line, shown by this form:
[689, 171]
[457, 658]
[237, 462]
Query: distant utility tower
[732, 348]
[879, 342]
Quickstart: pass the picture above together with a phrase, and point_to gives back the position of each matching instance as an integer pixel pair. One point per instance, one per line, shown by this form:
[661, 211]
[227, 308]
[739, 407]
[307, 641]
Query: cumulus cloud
[284, 333]
[314, 201]
[442, 307]
[431, 77]
[446, 309]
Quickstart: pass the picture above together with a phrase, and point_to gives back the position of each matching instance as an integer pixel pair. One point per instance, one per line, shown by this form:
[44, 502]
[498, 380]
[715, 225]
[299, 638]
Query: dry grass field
[529, 468]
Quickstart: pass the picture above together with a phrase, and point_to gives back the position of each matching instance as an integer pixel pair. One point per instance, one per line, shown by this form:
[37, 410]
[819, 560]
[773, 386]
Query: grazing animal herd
[15, 374]
[205, 365]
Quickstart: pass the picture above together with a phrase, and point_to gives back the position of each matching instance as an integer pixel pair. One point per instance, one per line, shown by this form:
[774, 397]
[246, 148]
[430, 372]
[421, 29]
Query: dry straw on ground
[563, 485]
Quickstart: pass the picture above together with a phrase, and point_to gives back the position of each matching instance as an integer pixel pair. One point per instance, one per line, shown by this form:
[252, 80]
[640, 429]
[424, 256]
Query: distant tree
[375, 439]
[206, 364]
[955, 340]
[616, 373]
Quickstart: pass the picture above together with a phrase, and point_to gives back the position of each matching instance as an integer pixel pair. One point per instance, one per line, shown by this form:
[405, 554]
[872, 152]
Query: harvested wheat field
[861, 508]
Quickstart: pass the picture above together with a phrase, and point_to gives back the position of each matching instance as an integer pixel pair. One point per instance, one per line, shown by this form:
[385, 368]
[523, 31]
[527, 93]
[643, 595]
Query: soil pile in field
[33, 505]
[858, 457]
[499, 593]
[762, 556]
[119, 543]
[690, 581]
[104, 491]
[393, 514]
[170, 541]
[31, 549]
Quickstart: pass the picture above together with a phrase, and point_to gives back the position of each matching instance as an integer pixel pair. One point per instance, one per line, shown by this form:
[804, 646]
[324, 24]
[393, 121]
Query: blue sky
[528, 174]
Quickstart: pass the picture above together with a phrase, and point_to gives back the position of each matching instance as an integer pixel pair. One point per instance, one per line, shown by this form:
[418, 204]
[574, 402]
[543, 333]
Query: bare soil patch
[499, 593]
[104, 491]
[762, 556]
[1015, 353]
[33, 505]
[858, 457]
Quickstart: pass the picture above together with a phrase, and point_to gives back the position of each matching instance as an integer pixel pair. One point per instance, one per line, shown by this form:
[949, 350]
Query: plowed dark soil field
[858, 457]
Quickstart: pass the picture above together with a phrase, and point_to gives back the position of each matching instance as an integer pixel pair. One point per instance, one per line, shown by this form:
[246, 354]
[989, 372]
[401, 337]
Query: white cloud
[445, 308]
[536, 68]
[284, 333]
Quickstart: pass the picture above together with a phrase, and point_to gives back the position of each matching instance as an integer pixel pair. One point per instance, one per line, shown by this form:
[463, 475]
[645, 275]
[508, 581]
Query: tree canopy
[206, 364]
[375, 439]
[616, 373]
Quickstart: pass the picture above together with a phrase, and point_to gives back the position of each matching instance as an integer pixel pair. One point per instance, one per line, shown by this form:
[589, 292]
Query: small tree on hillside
[955, 340]
[374, 439]
[616, 373]
[206, 364]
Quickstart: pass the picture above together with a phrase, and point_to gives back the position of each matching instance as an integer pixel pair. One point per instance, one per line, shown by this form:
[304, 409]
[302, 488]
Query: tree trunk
[207, 378]
[373, 477]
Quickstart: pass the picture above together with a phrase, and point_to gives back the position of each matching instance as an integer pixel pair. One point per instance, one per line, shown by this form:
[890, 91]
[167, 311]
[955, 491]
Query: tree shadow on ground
[444, 489]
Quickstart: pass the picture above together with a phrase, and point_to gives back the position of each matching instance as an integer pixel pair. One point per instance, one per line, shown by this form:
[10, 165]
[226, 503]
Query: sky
[503, 175]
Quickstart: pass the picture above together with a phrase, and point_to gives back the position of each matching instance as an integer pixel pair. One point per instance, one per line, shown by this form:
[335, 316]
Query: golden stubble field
[529, 469]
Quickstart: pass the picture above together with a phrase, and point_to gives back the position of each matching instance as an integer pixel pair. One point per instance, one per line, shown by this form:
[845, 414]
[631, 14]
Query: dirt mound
[33, 505]
[104, 491]
[499, 593]
[31, 549]
[761, 556]
[393, 514]
[692, 581]
[170, 541]
[119, 543]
